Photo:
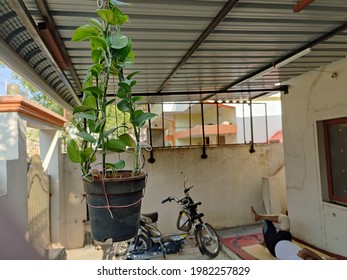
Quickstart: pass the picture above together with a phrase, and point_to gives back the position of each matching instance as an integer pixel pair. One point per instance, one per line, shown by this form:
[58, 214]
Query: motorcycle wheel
[208, 241]
[141, 243]
[115, 251]
[121, 248]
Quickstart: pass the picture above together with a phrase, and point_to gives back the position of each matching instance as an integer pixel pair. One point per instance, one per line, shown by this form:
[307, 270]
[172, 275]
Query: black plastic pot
[114, 206]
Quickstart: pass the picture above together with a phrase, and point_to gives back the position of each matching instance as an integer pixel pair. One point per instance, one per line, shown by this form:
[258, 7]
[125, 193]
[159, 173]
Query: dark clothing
[272, 236]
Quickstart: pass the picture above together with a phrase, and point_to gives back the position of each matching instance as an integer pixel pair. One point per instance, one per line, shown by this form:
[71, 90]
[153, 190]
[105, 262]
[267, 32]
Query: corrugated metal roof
[184, 57]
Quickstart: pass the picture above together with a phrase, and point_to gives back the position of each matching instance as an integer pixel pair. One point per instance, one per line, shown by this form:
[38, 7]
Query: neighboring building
[181, 124]
[183, 131]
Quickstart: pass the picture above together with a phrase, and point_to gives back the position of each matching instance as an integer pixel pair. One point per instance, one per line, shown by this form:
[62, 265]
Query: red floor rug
[236, 243]
[241, 244]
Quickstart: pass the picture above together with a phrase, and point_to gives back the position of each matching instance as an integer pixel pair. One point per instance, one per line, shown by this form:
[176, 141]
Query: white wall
[3, 177]
[228, 182]
[75, 205]
[313, 97]
[13, 154]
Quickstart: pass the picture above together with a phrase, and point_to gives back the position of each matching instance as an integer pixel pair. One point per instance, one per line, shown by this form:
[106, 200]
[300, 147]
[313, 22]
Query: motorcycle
[150, 243]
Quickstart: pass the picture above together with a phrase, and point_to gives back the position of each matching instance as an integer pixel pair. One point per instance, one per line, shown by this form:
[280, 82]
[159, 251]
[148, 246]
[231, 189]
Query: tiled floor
[239, 231]
[190, 252]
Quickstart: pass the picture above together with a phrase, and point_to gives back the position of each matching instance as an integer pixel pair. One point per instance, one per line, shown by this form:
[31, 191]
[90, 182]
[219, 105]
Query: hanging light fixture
[282, 63]
[293, 57]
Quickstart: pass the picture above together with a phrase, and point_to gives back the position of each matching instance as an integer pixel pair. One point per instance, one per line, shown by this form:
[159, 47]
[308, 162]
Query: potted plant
[113, 195]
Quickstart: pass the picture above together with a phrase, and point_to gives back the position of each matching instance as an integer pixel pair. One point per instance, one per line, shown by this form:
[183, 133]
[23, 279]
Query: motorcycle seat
[150, 217]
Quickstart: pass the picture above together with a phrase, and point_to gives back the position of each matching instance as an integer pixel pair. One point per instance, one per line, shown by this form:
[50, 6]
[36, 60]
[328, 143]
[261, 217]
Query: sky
[5, 79]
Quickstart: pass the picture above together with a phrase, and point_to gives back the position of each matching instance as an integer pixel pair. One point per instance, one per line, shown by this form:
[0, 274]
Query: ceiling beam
[283, 88]
[210, 28]
[43, 7]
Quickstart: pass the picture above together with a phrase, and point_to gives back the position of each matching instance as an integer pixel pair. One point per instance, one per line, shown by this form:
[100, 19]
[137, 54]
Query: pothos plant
[111, 53]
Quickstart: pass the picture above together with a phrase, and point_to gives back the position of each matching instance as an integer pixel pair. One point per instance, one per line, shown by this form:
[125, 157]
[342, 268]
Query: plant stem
[137, 151]
[108, 57]
[136, 132]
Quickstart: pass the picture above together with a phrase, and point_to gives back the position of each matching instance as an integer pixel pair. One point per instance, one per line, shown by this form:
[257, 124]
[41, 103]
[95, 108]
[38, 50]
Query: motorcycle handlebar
[170, 198]
[166, 200]
[187, 189]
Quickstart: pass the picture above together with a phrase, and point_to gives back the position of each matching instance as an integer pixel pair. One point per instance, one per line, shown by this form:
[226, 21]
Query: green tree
[34, 94]
[116, 118]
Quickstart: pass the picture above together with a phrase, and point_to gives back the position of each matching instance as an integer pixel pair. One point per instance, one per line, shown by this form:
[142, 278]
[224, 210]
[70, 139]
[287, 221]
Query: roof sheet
[249, 39]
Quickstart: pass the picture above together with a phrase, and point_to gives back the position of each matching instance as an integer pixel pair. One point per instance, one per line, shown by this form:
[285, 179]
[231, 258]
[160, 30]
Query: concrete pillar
[76, 208]
[13, 163]
[274, 193]
[50, 152]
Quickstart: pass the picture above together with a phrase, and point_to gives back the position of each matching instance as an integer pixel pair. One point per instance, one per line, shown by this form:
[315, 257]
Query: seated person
[279, 242]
